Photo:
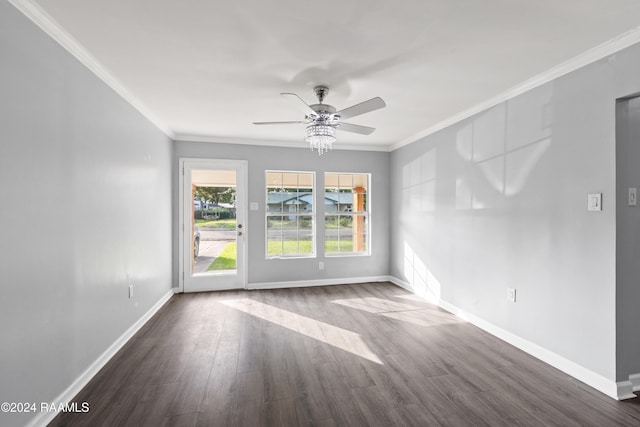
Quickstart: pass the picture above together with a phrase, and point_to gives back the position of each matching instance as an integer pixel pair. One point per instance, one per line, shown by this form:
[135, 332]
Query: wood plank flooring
[354, 355]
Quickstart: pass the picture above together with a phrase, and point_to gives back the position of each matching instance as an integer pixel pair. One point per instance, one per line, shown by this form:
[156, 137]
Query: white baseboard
[625, 390]
[635, 381]
[44, 418]
[319, 282]
[593, 379]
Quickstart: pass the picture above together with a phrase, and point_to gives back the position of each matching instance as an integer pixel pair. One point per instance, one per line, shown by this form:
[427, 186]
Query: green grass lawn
[331, 246]
[227, 259]
[227, 224]
[304, 247]
[289, 247]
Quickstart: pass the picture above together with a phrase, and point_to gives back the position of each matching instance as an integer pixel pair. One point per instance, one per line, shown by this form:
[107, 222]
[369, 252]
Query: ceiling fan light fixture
[320, 137]
[322, 120]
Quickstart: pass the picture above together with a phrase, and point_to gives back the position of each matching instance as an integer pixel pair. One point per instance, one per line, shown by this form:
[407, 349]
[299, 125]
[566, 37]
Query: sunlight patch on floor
[400, 311]
[340, 338]
[424, 317]
[375, 305]
[410, 297]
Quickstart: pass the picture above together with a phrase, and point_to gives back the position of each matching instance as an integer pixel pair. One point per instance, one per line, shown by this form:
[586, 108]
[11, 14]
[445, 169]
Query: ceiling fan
[322, 120]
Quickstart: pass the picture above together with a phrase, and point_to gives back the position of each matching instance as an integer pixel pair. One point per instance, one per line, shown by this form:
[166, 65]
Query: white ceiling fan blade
[363, 130]
[364, 107]
[279, 123]
[300, 104]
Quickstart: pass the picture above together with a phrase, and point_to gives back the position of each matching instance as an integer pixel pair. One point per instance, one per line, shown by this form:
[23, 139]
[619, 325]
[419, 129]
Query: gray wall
[628, 240]
[260, 159]
[85, 186]
[496, 201]
[499, 200]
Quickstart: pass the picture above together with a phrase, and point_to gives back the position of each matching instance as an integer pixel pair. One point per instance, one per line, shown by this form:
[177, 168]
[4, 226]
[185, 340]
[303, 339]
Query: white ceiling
[205, 70]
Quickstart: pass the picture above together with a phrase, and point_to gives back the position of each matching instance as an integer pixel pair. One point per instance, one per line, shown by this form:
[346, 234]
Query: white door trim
[242, 202]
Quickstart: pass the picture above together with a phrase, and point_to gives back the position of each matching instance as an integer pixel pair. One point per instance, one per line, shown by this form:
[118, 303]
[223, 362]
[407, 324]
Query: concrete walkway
[209, 251]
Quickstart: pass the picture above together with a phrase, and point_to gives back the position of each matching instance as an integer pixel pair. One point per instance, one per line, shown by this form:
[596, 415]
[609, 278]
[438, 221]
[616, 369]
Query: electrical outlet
[131, 290]
[511, 295]
[321, 265]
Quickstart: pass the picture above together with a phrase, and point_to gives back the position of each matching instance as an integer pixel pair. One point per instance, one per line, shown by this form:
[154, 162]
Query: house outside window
[346, 219]
[290, 214]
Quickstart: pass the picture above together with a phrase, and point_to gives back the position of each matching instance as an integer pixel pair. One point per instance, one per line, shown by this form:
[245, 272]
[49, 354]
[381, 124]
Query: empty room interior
[418, 213]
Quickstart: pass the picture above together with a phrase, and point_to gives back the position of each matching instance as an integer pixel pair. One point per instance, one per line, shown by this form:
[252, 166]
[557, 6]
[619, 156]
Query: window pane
[345, 201]
[305, 180]
[291, 233]
[331, 181]
[274, 235]
[359, 202]
[274, 179]
[348, 234]
[305, 235]
[290, 180]
[359, 232]
[345, 182]
[274, 224]
[297, 236]
[346, 213]
[360, 181]
[275, 197]
[346, 223]
[290, 247]
[331, 233]
[305, 201]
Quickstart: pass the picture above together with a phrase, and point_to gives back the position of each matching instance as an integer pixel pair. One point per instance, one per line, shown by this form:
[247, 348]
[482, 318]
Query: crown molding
[274, 143]
[39, 17]
[597, 53]
[36, 14]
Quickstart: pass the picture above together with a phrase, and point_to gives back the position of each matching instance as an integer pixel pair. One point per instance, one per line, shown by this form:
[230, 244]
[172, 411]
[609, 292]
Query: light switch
[594, 202]
[633, 196]
[253, 206]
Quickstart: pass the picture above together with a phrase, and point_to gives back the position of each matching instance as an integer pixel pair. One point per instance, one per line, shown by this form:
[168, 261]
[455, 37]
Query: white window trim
[314, 252]
[367, 214]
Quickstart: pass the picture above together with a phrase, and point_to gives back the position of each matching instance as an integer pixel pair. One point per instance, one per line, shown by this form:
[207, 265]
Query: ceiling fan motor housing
[321, 92]
[324, 110]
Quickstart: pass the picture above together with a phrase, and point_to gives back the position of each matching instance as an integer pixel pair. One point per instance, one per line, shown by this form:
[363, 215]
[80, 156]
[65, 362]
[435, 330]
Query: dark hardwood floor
[357, 355]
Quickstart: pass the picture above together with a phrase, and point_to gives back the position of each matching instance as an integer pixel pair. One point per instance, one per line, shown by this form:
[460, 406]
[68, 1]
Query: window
[346, 218]
[290, 214]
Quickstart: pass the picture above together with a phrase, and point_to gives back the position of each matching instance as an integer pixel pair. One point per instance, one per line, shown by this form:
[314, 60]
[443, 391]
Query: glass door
[213, 230]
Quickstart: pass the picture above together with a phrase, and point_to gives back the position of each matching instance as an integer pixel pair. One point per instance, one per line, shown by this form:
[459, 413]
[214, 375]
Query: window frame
[312, 214]
[366, 214]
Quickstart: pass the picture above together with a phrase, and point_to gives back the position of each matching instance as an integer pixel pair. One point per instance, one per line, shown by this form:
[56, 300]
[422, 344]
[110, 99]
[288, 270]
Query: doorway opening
[213, 231]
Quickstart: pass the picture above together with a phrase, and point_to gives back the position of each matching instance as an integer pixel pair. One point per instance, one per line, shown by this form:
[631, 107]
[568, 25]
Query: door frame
[242, 205]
